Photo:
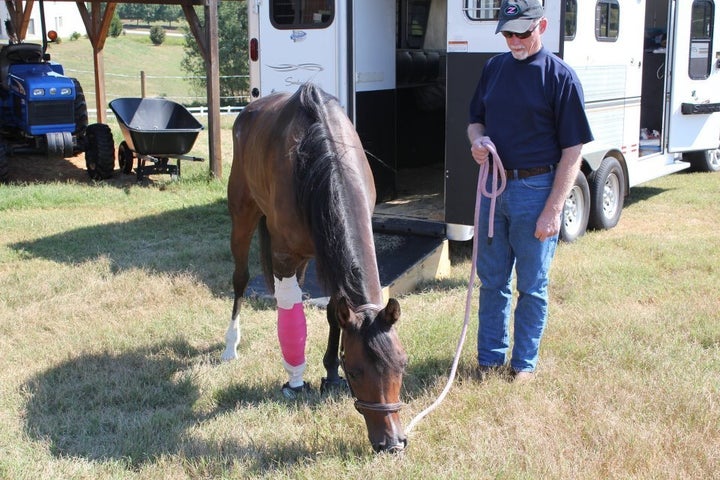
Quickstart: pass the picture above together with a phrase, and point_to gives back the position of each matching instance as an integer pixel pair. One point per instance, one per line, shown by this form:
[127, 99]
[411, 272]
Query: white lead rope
[499, 181]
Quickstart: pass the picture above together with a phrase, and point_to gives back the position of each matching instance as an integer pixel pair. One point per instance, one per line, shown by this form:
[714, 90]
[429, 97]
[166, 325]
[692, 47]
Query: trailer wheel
[607, 190]
[125, 158]
[704, 161]
[576, 211]
[99, 151]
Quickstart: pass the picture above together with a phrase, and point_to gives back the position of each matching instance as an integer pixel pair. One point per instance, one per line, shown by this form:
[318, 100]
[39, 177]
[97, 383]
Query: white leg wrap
[232, 340]
[287, 292]
[295, 374]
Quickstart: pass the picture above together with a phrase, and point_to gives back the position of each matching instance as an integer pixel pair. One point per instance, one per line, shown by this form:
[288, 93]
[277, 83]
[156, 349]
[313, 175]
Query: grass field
[124, 58]
[115, 298]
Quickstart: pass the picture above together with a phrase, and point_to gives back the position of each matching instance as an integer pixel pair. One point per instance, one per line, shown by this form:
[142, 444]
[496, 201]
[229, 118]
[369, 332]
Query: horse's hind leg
[244, 222]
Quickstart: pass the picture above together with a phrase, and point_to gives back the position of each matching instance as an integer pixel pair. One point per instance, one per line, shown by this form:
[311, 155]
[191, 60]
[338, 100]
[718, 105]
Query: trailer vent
[49, 113]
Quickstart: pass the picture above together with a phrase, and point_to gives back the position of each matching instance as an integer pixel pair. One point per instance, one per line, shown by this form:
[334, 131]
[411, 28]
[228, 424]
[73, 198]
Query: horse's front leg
[331, 362]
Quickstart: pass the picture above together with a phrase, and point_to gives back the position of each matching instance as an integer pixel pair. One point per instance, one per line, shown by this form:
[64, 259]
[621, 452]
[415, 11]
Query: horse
[301, 178]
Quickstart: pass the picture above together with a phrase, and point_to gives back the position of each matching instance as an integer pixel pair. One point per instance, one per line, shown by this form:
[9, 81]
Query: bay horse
[300, 176]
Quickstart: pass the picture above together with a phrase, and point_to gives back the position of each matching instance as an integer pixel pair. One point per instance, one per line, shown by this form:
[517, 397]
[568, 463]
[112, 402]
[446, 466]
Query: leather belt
[528, 172]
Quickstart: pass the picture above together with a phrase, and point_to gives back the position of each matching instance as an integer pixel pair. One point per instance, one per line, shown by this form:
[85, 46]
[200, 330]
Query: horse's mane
[322, 190]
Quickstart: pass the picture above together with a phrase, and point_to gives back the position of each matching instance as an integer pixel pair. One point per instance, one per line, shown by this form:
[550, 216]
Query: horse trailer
[405, 71]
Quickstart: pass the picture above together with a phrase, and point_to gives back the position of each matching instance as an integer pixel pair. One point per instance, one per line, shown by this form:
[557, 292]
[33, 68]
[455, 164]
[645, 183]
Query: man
[529, 103]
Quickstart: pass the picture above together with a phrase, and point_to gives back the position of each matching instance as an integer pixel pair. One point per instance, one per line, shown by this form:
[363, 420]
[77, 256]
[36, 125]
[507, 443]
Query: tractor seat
[18, 53]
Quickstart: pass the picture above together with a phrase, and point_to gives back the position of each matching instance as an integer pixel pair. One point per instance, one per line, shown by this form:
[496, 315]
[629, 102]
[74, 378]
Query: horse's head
[374, 361]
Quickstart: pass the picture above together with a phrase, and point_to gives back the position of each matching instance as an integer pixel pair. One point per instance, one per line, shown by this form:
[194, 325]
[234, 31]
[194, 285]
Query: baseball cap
[518, 15]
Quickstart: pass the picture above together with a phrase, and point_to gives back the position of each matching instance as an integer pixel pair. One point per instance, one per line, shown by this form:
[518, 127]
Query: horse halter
[361, 405]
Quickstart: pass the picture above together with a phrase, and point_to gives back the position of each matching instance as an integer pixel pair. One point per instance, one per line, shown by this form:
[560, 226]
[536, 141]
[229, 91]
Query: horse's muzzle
[396, 447]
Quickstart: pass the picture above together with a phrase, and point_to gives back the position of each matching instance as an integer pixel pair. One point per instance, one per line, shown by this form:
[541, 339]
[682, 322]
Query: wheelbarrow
[154, 130]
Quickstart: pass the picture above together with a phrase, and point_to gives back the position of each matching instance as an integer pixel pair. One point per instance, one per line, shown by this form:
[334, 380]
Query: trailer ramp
[408, 251]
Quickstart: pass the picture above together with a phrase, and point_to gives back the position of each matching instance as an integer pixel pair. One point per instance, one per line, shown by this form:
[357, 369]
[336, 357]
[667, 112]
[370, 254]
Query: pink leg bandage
[292, 326]
[292, 333]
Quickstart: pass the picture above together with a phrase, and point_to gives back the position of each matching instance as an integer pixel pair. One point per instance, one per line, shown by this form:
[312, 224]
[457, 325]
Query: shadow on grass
[194, 240]
[137, 406]
[640, 194]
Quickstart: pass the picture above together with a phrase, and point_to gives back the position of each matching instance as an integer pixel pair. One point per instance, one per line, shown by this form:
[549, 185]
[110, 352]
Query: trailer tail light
[254, 49]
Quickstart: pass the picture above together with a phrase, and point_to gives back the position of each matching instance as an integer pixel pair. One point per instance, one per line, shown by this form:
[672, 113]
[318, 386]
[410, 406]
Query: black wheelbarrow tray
[154, 130]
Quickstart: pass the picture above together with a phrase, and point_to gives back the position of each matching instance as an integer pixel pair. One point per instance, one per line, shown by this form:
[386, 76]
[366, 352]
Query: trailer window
[481, 9]
[570, 19]
[701, 31]
[607, 20]
[290, 14]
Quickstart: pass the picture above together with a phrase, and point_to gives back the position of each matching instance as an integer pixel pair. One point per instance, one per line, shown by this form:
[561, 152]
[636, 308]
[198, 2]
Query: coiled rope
[499, 181]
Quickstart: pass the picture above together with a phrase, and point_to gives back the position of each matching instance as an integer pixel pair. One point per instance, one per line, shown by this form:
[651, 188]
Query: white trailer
[405, 71]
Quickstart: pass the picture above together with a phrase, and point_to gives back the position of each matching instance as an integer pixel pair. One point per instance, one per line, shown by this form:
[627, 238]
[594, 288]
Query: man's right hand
[479, 151]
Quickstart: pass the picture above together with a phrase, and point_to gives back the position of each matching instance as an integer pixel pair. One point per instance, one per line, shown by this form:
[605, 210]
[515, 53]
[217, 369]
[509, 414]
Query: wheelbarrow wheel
[99, 151]
[125, 158]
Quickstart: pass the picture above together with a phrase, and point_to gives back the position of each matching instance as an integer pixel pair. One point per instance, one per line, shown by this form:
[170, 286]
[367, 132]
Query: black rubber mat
[396, 253]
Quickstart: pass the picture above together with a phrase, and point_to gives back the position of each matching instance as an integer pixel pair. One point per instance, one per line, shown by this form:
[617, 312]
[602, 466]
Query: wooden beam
[19, 16]
[197, 29]
[97, 23]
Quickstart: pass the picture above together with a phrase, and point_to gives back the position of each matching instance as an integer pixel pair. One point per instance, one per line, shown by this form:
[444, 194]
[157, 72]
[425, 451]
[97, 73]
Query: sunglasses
[521, 36]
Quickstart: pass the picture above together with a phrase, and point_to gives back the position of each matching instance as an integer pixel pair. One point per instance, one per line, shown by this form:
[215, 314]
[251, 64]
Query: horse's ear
[344, 316]
[392, 311]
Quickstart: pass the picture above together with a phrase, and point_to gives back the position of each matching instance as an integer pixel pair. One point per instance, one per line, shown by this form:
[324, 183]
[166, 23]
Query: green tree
[116, 26]
[232, 38]
[136, 11]
[167, 13]
[157, 35]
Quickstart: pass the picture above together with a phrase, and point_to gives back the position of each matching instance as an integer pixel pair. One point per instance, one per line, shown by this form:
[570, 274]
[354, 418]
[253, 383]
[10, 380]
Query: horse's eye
[353, 374]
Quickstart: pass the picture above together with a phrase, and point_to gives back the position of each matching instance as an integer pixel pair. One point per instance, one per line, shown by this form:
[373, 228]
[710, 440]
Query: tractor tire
[125, 158]
[81, 113]
[4, 163]
[59, 145]
[99, 151]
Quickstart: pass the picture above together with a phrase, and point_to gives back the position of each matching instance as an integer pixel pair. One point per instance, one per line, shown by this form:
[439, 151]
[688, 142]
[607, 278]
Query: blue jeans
[514, 246]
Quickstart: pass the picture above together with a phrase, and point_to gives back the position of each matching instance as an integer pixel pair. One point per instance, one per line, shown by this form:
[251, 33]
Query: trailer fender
[592, 160]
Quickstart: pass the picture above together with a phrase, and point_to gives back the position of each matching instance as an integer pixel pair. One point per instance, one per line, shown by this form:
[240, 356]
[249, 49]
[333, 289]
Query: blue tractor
[42, 111]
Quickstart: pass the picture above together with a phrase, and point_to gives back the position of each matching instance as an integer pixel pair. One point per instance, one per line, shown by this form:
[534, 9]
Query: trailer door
[300, 41]
[694, 105]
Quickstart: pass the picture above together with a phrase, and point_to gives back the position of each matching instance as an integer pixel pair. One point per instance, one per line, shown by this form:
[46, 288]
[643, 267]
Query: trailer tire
[607, 193]
[99, 151]
[705, 160]
[125, 158]
[576, 211]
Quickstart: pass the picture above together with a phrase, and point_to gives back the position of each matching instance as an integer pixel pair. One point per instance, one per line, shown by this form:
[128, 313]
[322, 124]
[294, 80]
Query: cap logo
[511, 10]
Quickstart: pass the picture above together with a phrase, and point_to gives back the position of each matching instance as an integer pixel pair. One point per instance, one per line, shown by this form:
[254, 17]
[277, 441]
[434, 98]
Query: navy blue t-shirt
[531, 108]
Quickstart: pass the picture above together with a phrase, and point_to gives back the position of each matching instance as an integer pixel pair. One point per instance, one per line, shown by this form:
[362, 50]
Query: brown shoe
[523, 377]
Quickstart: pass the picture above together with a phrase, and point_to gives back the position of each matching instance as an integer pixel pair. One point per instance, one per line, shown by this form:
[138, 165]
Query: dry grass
[115, 299]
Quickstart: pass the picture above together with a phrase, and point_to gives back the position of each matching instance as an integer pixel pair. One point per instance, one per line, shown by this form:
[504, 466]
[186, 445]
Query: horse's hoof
[291, 393]
[229, 355]
[338, 384]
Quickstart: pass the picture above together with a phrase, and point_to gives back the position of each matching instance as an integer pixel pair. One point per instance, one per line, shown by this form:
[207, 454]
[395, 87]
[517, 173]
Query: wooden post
[142, 84]
[213, 86]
